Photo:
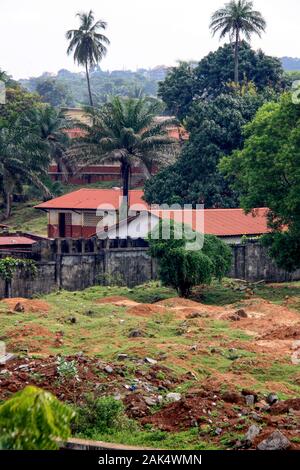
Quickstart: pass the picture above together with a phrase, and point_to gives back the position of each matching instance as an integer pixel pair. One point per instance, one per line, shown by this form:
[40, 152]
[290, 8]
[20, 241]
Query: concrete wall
[78, 264]
[251, 262]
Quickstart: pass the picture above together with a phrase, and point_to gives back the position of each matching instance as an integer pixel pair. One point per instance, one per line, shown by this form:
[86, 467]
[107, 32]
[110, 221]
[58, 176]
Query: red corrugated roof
[91, 199]
[15, 240]
[221, 222]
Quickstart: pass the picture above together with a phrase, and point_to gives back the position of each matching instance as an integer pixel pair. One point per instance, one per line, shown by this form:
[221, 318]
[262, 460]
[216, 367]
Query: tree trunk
[236, 57]
[8, 292]
[89, 84]
[125, 174]
[8, 203]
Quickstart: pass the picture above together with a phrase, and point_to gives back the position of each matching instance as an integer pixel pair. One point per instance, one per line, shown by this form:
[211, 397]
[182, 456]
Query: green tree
[34, 420]
[266, 173]
[8, 267]
[182, 268]
[88, 44]
[23, 159]
[178, 89]
[235, 19]
[50, 125]
[54, 92]
[212, 76]
[125, 130]
[215, 129]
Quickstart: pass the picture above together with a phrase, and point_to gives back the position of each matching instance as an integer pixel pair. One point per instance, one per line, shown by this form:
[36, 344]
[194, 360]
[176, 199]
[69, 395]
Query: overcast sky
[143, 33]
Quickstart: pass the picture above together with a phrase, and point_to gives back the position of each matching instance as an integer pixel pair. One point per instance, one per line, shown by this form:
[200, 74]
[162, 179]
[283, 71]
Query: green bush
[100, 415]
[34, 420]
[183, 268]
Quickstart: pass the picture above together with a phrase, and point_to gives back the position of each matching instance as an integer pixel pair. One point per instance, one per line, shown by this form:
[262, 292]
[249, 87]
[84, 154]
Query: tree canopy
[266, 173]
[214, 75]
[215, 129]
[182, 268]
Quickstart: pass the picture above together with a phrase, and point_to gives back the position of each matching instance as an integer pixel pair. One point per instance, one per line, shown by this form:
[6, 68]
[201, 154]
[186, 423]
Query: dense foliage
[215, 129]
[266, 173]
[34, 420]
[215, 74]
[8, 266]
[183, 268]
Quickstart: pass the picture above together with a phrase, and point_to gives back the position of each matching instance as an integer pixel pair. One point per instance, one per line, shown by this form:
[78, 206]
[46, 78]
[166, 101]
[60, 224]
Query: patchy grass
[215, 351]
[27, 219]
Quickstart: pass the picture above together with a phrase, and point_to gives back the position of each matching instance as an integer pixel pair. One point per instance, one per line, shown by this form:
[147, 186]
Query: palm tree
[235, 19]
[23, 159]
[51, 126]
[88, 44]
[127, 130]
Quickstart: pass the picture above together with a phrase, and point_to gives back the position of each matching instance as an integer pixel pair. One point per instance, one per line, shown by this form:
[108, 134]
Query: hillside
[290, 64]
[186, 374]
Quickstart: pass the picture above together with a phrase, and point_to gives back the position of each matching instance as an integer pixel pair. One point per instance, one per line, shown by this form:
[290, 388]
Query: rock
[256, 417]
[136, 334]
[150, 401]
[151, 361]
[19, 308]
[250, 435]
[232, 397]
[250, 400]
[72, 320]
[194, 315]
[173, 397]
[4, 372]
[108, 369]
[218, 431]
[275, 441]
[122, 357]
[6, 358]
[272, 399]
[241, 313]
[194, 348]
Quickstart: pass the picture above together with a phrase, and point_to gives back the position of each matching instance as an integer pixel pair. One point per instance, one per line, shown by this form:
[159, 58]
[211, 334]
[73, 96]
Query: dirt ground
[250, 348]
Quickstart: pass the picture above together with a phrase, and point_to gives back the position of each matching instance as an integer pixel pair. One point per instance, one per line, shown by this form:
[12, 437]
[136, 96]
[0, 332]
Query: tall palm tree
[235, 19]
[51, 126]
[127, 130]
[23, 159]
[88, 44]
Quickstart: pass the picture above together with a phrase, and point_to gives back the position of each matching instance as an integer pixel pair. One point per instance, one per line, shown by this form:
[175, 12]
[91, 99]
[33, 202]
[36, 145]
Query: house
[87, 212]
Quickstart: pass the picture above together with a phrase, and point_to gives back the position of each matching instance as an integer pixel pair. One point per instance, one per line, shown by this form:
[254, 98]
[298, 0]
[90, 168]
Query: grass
[156, 439]
[102, 330]
[27, 219]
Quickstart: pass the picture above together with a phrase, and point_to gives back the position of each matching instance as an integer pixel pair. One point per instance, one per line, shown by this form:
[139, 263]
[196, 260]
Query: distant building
[109, 171]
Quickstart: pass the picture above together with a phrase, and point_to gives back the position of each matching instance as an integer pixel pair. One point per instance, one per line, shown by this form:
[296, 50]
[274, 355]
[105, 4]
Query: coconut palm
[235, 19]
[127, 130]
[51, 126]
[88, 44]
[23, 159]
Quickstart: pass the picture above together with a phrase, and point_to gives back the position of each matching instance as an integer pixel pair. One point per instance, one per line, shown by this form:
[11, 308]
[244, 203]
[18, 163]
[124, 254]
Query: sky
[143, 33]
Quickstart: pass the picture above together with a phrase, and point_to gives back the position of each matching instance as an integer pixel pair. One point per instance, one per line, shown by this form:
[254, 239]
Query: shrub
[182, 268]
[66, 369]
[100, 415]
[34, 420]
